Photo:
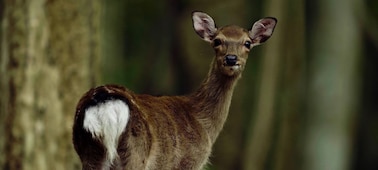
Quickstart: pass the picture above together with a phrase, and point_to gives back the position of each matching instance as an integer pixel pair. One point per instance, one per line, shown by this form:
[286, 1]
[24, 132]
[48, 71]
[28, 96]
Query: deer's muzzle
[231, 60]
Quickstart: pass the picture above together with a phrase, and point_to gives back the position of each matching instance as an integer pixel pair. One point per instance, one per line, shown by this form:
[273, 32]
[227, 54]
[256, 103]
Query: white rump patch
[106, 122]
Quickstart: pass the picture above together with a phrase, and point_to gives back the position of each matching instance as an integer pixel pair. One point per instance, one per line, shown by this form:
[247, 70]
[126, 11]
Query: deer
[115, 128]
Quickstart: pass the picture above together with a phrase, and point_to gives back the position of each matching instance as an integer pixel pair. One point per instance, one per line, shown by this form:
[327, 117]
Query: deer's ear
[204, 25]
[262, 30]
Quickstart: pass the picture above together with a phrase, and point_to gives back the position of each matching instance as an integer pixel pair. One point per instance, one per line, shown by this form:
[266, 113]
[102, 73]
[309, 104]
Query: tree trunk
[49, 52]
[291, 87]
[333, 48]
[260, 140]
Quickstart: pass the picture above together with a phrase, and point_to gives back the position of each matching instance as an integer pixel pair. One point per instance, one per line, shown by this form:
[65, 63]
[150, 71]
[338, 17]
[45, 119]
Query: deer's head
[232, 43]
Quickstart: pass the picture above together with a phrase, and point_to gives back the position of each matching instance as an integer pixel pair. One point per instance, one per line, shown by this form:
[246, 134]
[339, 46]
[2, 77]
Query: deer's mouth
[235, 67]
[231, 64]
[231, 70]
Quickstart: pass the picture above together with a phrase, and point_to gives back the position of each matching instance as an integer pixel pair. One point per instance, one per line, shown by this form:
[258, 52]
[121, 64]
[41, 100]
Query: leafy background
[307, 99]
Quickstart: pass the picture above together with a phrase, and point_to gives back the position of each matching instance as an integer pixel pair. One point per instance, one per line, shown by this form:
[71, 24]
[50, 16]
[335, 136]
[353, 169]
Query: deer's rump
[114, 129]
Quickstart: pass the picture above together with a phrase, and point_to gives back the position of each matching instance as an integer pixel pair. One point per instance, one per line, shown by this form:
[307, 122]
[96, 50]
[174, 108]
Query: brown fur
[168, 132]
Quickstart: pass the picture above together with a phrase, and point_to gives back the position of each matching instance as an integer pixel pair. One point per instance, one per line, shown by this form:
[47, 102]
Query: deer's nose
[231, 60]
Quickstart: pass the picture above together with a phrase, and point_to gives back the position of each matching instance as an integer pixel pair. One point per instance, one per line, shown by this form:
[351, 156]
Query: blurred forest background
[308, 99]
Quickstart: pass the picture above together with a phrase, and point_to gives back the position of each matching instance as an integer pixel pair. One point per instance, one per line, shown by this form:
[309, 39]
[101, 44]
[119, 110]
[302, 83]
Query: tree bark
[260, 141]
[333, 49]
[291, 87]
[49, 53]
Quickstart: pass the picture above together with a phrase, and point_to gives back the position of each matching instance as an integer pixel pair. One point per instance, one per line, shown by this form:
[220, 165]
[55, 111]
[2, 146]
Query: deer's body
[117, 129]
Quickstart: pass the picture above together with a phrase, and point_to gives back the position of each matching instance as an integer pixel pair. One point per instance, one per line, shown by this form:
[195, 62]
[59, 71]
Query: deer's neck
[212, 101]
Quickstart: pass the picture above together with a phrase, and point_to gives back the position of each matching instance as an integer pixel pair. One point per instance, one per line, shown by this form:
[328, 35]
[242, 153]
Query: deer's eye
[217, 42]
[247, 44]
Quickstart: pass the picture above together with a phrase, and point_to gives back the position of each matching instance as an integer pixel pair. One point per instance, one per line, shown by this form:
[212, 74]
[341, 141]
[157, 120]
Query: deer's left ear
[262, 30]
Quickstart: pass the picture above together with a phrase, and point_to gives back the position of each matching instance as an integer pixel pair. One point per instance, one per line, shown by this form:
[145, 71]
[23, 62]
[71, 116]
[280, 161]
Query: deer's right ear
[204, 25]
